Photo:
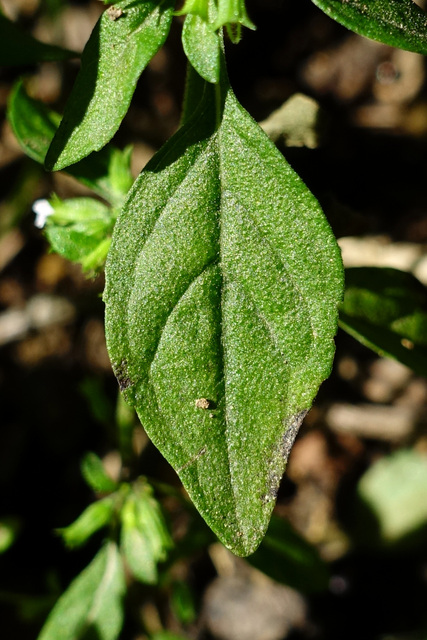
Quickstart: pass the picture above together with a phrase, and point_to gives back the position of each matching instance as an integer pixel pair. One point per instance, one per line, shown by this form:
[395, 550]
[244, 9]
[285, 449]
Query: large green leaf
[107, 172]
[386, 310]
[399, 23]
[18, 48]
[92, 605]
[222, 287]
[121, 45]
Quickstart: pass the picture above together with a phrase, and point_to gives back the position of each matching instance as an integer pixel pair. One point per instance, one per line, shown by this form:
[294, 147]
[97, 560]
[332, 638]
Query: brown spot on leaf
[283, 451]
[194, 459]
[114, 13]
[121, 373]
[291, 433]
[204, 403]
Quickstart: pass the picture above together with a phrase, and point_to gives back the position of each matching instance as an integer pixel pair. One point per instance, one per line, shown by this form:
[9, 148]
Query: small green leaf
[398, 23]
[232, 14]
[119, 171]
[93, 262]
[94, 517]
[149, 519]
[95, 475]
[145, 538]
[202, 47]
[92, 604]
[386, 310]
[101, 95]
[136, 547]
[195, 7]
[394, 489]
[34, 125]
[79, 229]
[18, 48]
[90, 214]
[286, 557]
[222, 286]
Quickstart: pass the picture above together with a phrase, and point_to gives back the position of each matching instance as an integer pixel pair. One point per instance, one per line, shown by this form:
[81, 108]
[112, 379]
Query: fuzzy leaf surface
[115, 55]
[398, 23]
[79, 229]
[222, 285]
[202, 47]
[92, 605]
[107, 172]
[386, 310]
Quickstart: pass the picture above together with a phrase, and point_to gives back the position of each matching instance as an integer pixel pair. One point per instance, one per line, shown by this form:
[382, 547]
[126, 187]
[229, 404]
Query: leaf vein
[206, 266]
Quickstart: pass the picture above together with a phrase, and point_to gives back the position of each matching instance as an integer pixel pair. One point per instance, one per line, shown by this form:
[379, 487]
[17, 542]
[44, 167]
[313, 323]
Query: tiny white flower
[43, 209]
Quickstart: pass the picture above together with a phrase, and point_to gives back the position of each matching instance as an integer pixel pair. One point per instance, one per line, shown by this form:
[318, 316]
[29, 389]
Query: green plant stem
[194, 89]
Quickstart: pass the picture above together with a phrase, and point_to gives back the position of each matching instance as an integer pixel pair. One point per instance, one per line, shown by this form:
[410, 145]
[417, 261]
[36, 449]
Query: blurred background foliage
[346, 553]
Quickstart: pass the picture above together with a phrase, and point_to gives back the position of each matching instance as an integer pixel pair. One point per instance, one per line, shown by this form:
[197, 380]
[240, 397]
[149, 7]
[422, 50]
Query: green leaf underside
[92, 603]
[102, 92]
[34, 126]
[202, 47]
[398, 23]
[386, 310]
[18, 48]
[222, 284]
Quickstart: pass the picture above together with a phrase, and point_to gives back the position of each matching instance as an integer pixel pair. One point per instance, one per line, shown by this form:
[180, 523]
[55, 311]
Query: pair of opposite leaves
[222, 286]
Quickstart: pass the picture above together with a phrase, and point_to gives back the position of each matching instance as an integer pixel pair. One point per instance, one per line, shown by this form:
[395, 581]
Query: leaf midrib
[200, 158]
